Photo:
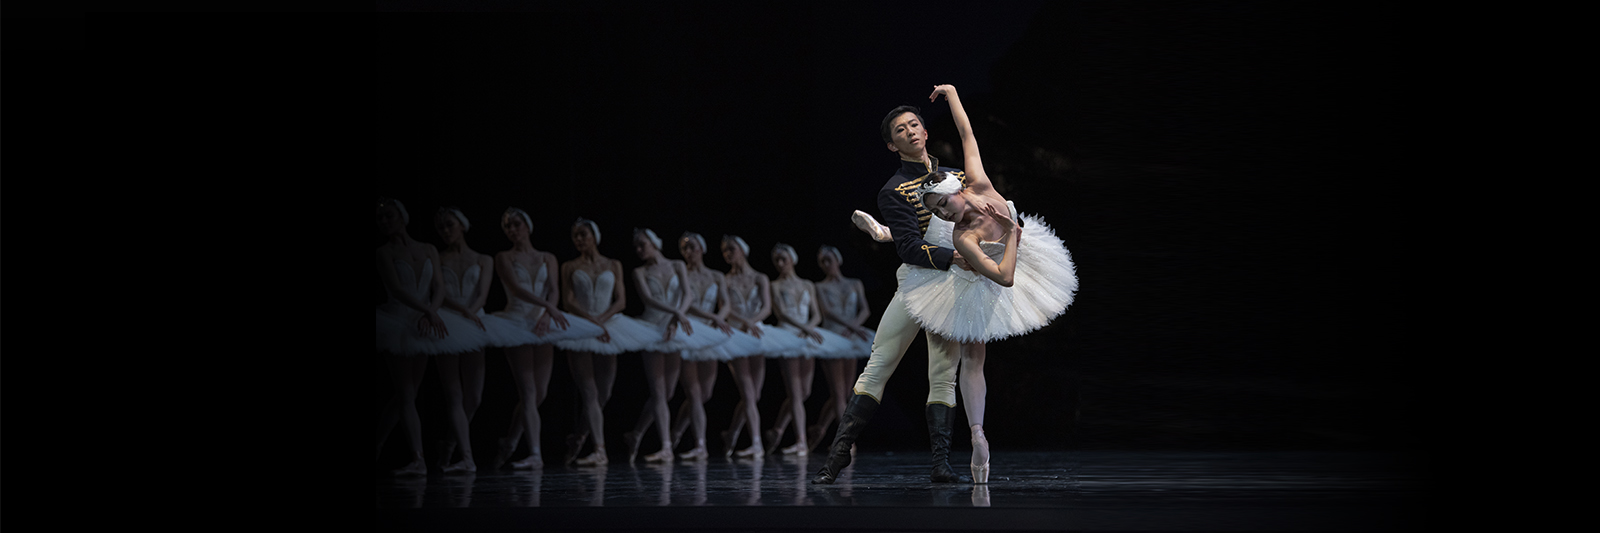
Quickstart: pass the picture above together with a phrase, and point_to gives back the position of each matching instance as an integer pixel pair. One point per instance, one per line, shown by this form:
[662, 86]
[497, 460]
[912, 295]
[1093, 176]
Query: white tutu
[779, 342]
[577, 327]
[628, 334]
[859, 349]
[397, 323]
[739, 344]
[701, 338]
[967, 307]
[833, 346]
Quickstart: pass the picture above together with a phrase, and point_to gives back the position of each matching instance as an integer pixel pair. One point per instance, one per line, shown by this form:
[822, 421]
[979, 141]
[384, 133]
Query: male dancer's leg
[895, 332]
[944, 360]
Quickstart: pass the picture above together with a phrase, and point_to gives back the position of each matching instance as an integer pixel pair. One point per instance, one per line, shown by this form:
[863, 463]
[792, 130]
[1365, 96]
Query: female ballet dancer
[660, 283]
[796, 311]
[699, 377]
[410, 328]
[466, 287]
[1033, 279]
[591, 288]
[843, 302]
[531, 307]
[749, 295]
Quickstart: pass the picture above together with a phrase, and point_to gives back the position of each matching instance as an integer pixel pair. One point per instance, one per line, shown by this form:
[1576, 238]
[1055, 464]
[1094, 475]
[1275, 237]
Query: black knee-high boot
[856, 416]
[939, 437]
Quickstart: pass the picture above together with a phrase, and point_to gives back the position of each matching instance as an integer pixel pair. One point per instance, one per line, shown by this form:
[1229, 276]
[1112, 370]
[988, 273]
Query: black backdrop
[1222, 173]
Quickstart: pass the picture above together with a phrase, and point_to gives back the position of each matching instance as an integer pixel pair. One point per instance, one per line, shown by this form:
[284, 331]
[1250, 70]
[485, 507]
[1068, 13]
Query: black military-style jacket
[901, 209]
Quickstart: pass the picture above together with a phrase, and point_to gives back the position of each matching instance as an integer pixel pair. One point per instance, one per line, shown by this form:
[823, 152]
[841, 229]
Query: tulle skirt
[833, 345]
[859, 349]
[779, 342]
[577, 328]
[967, 307]
[703, 336]
[739, 344]
[628, 334]
[398, 333]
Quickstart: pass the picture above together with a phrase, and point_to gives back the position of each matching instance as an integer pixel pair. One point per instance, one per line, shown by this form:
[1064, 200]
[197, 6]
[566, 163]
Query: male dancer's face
[908, 138]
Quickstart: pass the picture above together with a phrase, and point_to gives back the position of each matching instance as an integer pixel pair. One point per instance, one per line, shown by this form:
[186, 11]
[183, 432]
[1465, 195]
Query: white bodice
[413, 284]
[668, 295]
[797, 308]
[594, 295]
[840, 305]
[746, 304]
[534, 284]
[708, 300]
[459, 287]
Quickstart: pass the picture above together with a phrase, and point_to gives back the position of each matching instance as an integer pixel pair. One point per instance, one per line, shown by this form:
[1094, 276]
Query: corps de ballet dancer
[796, 311]
[466, 287]
[410, 328]
[750, 297]
[661, 285]
[1022, 275]
[532, 307]
[843, 303]
[699, 376]
[592, 289]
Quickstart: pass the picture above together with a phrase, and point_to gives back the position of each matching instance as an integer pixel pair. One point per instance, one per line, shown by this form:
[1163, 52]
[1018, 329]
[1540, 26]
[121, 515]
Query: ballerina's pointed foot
[598, 458]
[502, 452]
[727, 443]
[531, 462]
[814, 435]
[799, 449]
[447, 449]
[980, 452]
[755, 451]
[697, 454]
[464, 466]
[416, 468]
[771, 436]
[663, 456]
[866, 223]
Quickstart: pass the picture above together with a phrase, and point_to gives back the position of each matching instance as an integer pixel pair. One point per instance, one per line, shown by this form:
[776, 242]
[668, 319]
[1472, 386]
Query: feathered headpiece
[593, 228]
[696, 237]
[736, 240]
[648, 235]
[518, 212]
[786, 249]
[457, 213]
[825, 249]
[949, 185]
[404, 217]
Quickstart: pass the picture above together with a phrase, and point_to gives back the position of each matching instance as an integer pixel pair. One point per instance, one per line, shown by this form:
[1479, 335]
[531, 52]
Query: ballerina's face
[732, 253]
[582, 238]
[449, 228]
[828, 262]
[946, 206]
[690, 249]
[389, 220]
[643, 247]
[782, 261]
[515, 229]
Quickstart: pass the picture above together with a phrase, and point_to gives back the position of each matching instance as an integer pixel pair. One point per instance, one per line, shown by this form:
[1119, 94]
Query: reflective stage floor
[1027, 491]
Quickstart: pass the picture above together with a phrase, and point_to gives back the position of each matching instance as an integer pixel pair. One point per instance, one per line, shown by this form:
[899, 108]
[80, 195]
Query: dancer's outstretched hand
[941, 89]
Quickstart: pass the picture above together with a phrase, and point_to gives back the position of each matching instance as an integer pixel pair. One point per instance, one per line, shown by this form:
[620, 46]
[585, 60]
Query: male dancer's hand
[957, 260]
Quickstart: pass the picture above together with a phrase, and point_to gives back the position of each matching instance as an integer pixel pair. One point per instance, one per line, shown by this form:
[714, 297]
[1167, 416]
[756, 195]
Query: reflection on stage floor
[1308, 491]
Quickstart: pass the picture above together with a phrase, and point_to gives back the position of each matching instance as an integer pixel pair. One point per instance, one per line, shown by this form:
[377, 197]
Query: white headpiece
[738, 241]
[518, 212]
[696, 237]
[949, 185]
[825, 249]
[404, 217]
[781, 247]
[649, 235]
[463, 218]
[593, 228]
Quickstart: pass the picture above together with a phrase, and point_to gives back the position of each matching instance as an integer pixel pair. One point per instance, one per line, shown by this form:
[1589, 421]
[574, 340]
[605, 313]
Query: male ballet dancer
[906, 218]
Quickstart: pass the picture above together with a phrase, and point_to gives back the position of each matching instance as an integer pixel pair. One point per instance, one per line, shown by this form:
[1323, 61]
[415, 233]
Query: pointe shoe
[814, 436]
[663, 456]
[598, 458]
[502, 453]
[980, 447]
[465, 466]
[531, 462]
[631, 441]
[447, 450]
[755, 451]
[697, 454]
[866, 223]
[798, 450]
[416, 468]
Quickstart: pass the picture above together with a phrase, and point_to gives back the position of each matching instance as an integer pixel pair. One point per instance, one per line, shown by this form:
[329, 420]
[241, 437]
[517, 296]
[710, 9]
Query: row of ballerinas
[695, 317]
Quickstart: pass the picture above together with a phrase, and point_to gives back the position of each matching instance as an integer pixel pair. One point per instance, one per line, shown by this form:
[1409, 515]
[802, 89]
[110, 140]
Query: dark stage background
[1220, 171]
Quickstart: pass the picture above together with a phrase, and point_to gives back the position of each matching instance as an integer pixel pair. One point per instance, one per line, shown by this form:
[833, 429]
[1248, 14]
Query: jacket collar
[917, 169]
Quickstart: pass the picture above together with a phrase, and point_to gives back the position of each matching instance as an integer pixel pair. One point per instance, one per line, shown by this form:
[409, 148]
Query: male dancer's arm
[908, 242]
